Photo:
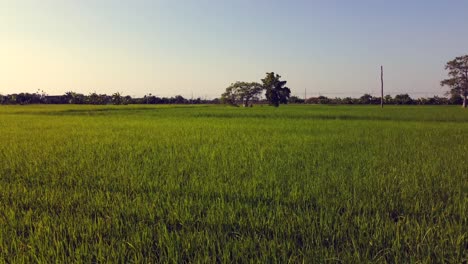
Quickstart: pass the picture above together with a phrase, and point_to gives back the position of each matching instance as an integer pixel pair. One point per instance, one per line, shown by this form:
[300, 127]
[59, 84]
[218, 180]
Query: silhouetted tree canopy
[242, 92]
[402, 99]
[458, 77]
[276, 91]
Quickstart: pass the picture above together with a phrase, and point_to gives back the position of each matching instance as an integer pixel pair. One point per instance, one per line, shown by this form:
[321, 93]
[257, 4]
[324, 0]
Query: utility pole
[305, 95]
[381, 91]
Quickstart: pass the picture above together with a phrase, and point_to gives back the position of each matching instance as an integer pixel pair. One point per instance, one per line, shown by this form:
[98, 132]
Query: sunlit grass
[221, 184]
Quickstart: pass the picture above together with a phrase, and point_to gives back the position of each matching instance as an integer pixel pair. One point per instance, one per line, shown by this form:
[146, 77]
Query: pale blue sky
[330, 47]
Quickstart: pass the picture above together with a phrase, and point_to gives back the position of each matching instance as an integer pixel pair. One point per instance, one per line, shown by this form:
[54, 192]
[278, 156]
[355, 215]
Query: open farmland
[223, 184]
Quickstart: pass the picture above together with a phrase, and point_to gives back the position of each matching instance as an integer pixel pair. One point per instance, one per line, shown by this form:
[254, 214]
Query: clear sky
[170, 47]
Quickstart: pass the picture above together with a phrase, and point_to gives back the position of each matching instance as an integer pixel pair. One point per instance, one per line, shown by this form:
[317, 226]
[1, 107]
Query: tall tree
[276, 91]
[242, 92]
[458, 77]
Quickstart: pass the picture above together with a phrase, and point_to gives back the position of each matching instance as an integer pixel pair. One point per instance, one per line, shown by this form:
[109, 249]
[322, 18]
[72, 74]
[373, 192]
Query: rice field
[216, 184]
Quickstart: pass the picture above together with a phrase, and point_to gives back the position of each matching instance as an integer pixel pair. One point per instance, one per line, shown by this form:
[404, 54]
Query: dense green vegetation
[221, 184]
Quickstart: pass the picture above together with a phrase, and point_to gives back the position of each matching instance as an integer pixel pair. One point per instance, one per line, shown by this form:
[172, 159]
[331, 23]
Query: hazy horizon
[167, 48]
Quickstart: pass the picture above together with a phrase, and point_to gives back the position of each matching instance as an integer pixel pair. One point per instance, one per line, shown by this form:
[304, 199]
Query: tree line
[249, 93]
[97, 99]
[276, 93]
[367, 99]
[247, 100]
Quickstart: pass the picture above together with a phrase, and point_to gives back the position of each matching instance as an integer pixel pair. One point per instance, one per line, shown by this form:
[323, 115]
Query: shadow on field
[296, 117]
[206, 111]
[288, 116]
[102, 111]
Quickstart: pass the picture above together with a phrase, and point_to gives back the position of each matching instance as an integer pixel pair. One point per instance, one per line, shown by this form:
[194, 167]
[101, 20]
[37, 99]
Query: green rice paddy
[207, 184]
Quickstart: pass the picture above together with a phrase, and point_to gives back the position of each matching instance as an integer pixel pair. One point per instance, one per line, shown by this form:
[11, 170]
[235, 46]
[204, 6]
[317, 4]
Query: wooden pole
[381, 91]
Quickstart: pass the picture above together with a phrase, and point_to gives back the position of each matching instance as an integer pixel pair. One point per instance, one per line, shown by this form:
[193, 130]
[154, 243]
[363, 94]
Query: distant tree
[318, 100]
[347, 100]
[276, 91]
[164, 100]
[79, 98]
[323, 100]
[127, 100]
[365, 99]
[117, 99]
[241, 92]
[197, 101]
[436, 100]
[179, 99]
[105, 99]
[147, 98]
[296, 100]
[388, 99]
[10, 99]
[151, 99]
[74, 98]
[93, 98]
[99, 99]
[26, 98]
[458, 77]
[39, 97]
[68, 97]
[422, 101]
[402, 99]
